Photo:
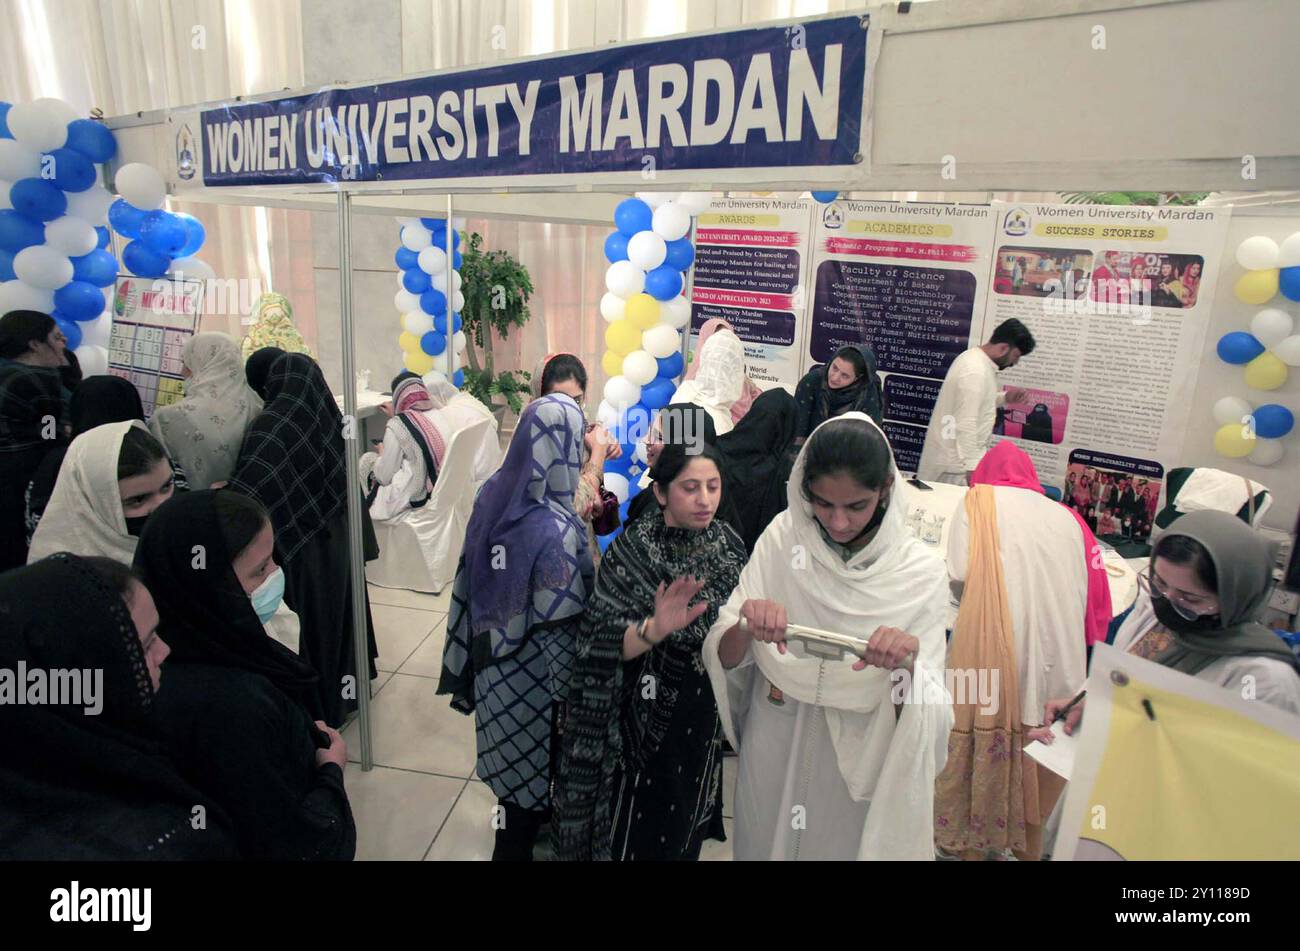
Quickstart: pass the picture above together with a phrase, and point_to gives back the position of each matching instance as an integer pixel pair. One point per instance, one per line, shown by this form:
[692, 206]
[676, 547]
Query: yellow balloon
[1231, 441]
[1256, 287]
[612, 363]
[409, 342]
[622, 336]
[1265, 372]
[420, 363]
[642, 310]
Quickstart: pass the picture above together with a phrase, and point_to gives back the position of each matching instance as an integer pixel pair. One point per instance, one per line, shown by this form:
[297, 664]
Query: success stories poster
[910, 281]
[751, 265]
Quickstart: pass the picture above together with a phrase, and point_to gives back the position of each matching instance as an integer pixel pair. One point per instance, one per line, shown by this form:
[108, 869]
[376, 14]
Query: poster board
[152, 320]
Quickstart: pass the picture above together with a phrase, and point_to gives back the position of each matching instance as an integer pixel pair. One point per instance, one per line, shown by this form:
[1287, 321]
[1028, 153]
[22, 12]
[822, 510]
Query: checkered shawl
[27, 395]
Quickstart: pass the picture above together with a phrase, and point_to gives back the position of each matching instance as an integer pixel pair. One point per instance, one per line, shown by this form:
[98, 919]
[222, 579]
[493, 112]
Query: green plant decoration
[1134, 198]
[497, 289]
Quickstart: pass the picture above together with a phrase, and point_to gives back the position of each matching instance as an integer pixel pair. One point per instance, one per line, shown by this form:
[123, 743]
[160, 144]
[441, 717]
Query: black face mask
[1174, 621]
[135, 524]
[876, 518]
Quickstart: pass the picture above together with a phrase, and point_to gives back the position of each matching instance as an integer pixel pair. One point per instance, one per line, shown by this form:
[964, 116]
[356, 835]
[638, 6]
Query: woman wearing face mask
[849, 746]
[237, 709]
[749, 390]
[641, 775]
[111, 480]
[89, 780]
[849, 383]
[719, 379]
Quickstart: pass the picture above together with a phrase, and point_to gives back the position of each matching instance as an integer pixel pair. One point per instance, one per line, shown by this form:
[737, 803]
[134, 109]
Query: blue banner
[755, 98]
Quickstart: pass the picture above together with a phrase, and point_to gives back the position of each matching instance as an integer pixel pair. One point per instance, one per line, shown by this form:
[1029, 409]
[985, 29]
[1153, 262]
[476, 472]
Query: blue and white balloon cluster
[53, 243]
[161, 242]
[425, 301]
[645, 311]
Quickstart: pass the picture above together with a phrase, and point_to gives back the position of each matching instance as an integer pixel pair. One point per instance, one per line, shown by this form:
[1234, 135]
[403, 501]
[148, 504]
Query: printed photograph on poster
[1039, 416]
[1042, 272]
[1117, 496]
[1158, 280]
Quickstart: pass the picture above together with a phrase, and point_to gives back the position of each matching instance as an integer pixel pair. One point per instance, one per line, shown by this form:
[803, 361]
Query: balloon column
[425, 301]
[1272, 344]
[1255, 433]
[53, 243]
[159, 242]
[645, 313]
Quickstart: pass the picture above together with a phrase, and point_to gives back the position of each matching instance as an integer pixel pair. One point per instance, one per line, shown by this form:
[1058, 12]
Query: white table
[368, 402]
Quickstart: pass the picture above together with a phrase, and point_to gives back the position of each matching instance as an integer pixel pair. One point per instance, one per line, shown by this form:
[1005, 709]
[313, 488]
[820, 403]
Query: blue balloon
[415, 280]
[438, 226]
[164, 233]
[435, 224]
[17, 231]
[98, 268]
[1273, 421]
[38, 199]
[456, 323]
[92, 139]
[440, 323]
[671, 365]
[125, 218]
[79, 300]
[616, 247]
[620, 465]
[663, 283]
[658, 392]
[4, 120]
[1238, 347]
[458, 379]
[195, 234]
[1288, 282]
[433, 343]
[633, 425]
[633, 215]
[826, 197]
[73, 172]
[433, 302]
[7, 266]
[103, 235]
[456, 260]
[144, 261]
[681, 254]
[71, 331]
[407, 259]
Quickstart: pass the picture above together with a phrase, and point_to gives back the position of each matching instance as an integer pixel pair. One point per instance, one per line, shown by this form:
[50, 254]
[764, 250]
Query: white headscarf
[894, 581]
[84, 514]
[719, 381]
[203, 432]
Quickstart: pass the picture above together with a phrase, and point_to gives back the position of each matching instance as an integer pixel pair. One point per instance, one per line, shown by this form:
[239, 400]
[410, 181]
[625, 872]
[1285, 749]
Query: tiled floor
[421, 800]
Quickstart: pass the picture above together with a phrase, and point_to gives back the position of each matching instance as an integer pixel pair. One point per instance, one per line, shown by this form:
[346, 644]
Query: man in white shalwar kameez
[838, 759]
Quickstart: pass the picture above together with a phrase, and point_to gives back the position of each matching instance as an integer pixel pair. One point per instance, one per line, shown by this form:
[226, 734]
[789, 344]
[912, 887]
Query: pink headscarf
[411, 401]
[749, 392]
[1007, 464]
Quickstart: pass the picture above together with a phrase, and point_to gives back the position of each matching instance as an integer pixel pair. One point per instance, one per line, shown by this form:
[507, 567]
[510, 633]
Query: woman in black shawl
[688, 425]
[258, 366]
[77, 787]
[236, 706]
[292, 462]
[641, 774]
[758, 455]
[848, 383]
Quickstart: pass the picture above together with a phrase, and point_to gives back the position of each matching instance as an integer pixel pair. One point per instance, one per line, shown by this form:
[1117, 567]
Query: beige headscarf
[273, 327]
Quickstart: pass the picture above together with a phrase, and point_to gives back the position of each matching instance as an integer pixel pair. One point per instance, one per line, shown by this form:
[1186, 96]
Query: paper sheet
[1059, 755]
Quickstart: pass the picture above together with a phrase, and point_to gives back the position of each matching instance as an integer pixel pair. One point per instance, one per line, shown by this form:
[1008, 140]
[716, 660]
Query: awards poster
[1118, 299]
[909, 280]
[751, 268]
[152, 319]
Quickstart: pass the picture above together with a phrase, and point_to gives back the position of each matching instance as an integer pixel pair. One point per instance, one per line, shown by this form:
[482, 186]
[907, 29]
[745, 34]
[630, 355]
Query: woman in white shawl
[838, 757]
[719, 380]
[203, 432]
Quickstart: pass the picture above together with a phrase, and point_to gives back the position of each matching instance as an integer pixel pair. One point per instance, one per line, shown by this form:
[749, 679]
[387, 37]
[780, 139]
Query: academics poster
[152, 320]
[751, 269]
[910, 281]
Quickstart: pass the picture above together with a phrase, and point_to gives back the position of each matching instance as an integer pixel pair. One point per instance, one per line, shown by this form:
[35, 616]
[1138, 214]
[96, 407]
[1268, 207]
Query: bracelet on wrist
[641, 631]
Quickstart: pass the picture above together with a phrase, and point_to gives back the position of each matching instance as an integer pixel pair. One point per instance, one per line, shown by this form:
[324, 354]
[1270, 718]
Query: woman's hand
[891, 649]
[765, 621]
[673, 608]
[386, 407]
[338, 749]
[1052, 708]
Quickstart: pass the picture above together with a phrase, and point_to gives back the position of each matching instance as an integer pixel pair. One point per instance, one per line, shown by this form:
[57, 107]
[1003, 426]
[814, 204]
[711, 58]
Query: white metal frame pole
[451, 291]
[356, 552]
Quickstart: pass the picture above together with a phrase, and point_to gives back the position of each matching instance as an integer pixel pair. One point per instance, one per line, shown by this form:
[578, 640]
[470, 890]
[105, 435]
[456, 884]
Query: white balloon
[18, 295]
[434, 376]
[695, 202]
[141, 185]
[1231, 409]
[98, 332]
[193, 269]
[620, 392]
[611, 307]
[661, 341]
[676, 312]
[71, 236]
[639, 367]
[618, 484]
[92, 359]
[41, 266]
[438, 281]
[671, 221]
[5, 203]
[1257, 253]
[640, 454]
[405, 301]
[417, 322]
[457, 301]
[91, 206]
[18, 160]
[1288, 351]
[655, 199]
[433, 260]
[41, 124]
[607, 415]
[458, 341]
[625, 279]
[1267, 451]
[647, 250]
[456, 280]
[1288, 255]
[1271, 326]
[416, 237]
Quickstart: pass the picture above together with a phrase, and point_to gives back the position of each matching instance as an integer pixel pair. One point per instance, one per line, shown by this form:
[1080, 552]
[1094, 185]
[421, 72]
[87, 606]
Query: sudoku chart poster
[152, 319]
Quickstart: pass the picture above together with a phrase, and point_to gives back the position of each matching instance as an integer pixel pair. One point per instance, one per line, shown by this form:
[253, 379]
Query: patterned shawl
[273, 327]
[412, 403]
